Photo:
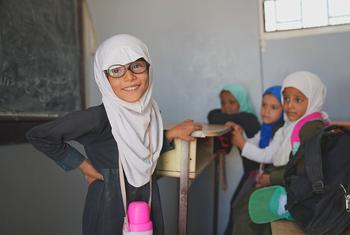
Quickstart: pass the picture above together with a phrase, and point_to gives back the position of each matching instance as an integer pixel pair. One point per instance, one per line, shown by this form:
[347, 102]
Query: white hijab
[313, 88]
[134, 125]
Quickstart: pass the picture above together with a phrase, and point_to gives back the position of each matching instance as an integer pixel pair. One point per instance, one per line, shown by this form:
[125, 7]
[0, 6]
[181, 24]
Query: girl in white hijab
[303, 99]
[314, 91]
[137, 126]
[126, 131]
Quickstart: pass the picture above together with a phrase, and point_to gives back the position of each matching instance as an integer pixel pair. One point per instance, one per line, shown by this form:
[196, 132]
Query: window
[282, 15]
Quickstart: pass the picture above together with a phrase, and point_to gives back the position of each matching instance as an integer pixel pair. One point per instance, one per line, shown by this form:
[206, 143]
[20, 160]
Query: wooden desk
[344, 123]
[286, 228]
[187, 161]
[290, 228]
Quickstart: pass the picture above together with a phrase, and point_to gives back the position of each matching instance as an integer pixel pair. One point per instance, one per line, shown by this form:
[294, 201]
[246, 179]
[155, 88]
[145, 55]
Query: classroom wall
[196, 46]
[37, 197]
[327, 55]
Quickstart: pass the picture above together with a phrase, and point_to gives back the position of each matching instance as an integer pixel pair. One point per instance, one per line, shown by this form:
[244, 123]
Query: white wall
[196, 46]
[326, 55]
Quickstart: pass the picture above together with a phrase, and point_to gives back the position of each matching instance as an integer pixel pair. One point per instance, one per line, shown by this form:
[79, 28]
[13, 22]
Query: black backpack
[319, 198]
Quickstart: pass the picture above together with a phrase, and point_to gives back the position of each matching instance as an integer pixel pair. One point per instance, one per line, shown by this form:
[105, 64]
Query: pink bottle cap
[138, 216]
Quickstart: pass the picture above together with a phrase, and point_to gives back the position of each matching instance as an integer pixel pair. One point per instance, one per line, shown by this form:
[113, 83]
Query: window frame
[284, 34]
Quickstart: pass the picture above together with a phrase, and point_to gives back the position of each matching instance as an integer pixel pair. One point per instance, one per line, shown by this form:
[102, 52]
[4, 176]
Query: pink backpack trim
[295, 133]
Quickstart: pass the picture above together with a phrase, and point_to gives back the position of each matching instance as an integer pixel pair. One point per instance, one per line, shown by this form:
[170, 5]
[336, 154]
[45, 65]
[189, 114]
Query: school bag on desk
[319, 198]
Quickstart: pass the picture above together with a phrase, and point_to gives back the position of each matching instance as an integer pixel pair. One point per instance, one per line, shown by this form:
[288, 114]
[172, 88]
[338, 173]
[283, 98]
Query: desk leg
[216, 193]
[183, 188]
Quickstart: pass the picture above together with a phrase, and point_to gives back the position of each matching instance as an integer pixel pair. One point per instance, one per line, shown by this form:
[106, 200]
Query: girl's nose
[290, 105]
[129, 76]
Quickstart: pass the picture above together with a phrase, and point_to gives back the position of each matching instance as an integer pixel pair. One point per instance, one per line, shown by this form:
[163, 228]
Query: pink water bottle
[139, 218]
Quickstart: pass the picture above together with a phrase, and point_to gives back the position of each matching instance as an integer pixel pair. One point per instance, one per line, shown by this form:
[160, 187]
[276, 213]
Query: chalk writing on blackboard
[39, 57]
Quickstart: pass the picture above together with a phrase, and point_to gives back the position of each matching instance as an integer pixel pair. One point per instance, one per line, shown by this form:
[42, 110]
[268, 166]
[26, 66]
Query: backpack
[319, 198]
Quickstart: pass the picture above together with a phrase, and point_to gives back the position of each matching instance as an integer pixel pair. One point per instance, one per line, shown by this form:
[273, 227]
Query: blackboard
[40, 63]
[40, 58]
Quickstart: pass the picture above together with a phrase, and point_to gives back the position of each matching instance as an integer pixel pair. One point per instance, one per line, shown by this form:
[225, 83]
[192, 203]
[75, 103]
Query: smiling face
[131, 86]
[271, 109]
[229, 104]
[294, 103]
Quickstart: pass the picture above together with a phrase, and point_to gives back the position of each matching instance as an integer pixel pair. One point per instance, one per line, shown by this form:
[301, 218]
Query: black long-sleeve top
[247, 121]
[90, 128]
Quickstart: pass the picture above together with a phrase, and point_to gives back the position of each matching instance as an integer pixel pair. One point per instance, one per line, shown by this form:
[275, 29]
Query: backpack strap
[313, 162]
[295, 133]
